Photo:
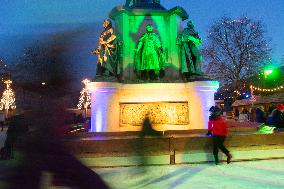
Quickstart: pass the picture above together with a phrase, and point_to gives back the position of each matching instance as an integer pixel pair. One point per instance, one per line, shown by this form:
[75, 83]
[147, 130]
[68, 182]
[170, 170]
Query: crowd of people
[273, 116]
[276, 116]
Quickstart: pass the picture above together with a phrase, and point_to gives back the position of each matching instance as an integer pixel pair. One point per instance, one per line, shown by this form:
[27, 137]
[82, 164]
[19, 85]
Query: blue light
[247, 96]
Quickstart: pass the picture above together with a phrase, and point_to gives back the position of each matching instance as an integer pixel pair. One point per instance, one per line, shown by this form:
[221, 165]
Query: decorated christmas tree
[7, 101]
[85, 98]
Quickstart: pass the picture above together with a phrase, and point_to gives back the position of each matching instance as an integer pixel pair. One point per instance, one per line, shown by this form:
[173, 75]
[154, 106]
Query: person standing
[260, 115]
[218, 127]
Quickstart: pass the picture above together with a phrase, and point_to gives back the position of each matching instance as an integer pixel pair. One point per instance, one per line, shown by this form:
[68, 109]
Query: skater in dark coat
[218, 127]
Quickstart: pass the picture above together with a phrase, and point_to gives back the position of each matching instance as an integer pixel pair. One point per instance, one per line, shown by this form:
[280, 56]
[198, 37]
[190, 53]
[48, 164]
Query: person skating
[218, 127]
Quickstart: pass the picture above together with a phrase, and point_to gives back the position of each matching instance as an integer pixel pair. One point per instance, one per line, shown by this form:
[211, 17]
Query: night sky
[74, 25]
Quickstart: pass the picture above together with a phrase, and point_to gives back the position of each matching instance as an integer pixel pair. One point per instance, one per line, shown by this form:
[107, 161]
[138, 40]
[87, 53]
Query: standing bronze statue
[149, 55]
[190, 57]
[108, 51]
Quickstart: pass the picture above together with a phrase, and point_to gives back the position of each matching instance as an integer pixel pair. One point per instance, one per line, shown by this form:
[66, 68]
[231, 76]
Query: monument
[149, 65]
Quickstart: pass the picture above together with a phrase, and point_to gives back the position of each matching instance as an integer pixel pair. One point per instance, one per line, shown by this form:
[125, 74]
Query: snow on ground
[268, 174]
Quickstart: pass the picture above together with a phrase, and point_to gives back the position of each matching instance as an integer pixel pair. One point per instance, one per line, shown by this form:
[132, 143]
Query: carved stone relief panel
[168, 113]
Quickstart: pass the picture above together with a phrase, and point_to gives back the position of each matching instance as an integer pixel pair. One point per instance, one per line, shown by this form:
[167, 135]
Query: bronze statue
[190, 57]
[149, 54]
[108, 51]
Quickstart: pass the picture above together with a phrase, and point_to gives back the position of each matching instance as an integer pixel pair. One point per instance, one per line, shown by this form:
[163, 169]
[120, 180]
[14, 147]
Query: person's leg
[215, 149]
[221, 146]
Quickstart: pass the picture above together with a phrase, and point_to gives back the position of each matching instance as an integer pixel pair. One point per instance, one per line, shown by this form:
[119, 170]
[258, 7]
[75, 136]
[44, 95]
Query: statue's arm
[159, 44]
[140, 43]
[197, 41]
[111, 39]
[98, 49]
[157, 41]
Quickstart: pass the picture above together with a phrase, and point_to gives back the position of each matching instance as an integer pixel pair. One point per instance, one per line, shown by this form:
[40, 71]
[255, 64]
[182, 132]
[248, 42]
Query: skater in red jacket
[218, 127]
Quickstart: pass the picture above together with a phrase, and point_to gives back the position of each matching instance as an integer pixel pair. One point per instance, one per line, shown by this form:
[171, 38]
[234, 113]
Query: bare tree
[235, 50]
[4, 70]
[41, 71]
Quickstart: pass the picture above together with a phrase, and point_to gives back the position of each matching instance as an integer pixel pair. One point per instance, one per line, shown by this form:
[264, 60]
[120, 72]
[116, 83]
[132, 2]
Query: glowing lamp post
[85, 98]
[7, 101]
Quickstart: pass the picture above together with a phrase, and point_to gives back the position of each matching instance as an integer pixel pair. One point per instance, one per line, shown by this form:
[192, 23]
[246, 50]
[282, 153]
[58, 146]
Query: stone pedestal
[120, 107]
[130, 25]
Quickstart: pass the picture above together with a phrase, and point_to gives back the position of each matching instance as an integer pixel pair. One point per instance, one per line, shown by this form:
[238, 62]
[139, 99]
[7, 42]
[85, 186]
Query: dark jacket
[278, 119]
[260, 116]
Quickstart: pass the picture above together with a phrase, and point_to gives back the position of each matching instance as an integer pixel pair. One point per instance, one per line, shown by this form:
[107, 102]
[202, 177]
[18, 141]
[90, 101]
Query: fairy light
[7, 101]
[278, 88]
[238, 92]
[85, 98]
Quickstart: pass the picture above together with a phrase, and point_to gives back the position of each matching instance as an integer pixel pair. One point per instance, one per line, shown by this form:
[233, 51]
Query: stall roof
[275, 98]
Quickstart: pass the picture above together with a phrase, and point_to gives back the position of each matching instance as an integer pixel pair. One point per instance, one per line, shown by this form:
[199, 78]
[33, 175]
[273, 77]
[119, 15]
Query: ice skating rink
[266, 174]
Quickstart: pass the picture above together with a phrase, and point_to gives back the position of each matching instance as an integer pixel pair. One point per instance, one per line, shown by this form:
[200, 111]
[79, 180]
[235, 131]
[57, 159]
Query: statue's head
[190, 24]
[149, 28]
[107, 23]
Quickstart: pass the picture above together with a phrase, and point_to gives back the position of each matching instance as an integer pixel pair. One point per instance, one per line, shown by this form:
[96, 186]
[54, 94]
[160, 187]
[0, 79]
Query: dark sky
[74, 25]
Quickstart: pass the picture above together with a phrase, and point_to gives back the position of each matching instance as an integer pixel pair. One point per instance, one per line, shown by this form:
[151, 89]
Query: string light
[266, 89]
[238, 92]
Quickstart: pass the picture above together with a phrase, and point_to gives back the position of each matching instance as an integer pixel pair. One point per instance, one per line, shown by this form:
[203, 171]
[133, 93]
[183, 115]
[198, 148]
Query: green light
[267, 72]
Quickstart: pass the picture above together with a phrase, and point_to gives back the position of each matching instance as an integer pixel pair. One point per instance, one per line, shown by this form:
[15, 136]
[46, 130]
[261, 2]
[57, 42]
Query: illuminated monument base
[118, 107]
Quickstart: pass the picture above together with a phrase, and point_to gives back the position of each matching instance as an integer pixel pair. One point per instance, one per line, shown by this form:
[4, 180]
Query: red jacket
[218, 127]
